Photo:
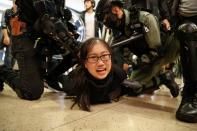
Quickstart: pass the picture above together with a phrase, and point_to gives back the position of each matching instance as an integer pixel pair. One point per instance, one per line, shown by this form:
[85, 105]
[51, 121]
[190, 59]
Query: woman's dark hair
[81, 88]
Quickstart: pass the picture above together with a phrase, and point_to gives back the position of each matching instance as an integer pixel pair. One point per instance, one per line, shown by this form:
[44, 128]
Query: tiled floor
[52, 113]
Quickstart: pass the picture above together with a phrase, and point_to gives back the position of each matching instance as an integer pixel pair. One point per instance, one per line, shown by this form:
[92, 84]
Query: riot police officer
[131, 23]
[186, 12]
[42, 27]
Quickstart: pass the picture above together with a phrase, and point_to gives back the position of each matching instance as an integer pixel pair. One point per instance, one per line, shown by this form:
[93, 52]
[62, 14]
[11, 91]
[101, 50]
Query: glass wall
[4, 4]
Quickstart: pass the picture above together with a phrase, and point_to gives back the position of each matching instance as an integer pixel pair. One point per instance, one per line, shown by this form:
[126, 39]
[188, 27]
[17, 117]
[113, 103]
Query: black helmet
[103, 8]
[118, 3]
[93, 2]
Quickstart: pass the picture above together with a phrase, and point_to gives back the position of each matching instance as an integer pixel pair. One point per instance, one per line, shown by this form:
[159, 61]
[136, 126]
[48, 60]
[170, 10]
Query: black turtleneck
[100, 89]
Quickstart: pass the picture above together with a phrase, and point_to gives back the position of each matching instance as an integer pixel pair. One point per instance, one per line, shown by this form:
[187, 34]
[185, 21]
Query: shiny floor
[148, 112]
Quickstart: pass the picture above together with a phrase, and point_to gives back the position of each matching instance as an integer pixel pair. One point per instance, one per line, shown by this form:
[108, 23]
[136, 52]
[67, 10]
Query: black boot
[187, 110]
[8, 76]
[133, 88]
[168, 79]
[53, 85]
[1, 85]
[1, 78]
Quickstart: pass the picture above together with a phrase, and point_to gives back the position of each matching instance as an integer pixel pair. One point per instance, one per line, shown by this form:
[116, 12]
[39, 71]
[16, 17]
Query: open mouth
[101, 70]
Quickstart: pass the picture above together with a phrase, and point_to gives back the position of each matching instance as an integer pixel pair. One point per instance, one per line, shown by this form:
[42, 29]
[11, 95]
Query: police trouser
[188, 41]
[9, 60]
[27, 83]
[151, 29]
[146, 72]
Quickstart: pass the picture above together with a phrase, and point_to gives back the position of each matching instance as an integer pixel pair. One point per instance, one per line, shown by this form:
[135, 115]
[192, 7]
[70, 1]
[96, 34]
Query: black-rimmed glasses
[94, 59]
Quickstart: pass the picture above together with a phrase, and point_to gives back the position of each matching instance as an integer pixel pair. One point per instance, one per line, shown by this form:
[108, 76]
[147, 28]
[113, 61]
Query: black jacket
[173, 7]
[31, 10]
[98, 91]
[164, 9]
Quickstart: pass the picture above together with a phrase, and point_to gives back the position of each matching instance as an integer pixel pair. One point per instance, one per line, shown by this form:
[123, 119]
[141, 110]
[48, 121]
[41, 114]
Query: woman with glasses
[96, 79]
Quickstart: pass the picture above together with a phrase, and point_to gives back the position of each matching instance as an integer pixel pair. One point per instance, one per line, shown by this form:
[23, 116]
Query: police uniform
[42, 19]
[147, 73]
[187, 33]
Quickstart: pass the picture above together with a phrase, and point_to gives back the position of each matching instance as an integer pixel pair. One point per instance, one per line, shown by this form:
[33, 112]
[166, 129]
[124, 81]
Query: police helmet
[102, 8]
[118, 3]
[93, 2]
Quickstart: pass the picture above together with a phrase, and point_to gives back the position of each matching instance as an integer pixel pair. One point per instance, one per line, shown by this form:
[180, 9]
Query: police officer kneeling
[41, 19]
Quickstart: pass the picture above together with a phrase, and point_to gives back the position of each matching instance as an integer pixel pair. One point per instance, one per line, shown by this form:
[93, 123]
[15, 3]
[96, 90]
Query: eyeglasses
[94, 59]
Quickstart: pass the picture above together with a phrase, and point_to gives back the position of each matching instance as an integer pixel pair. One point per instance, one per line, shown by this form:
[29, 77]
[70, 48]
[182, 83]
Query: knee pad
[188, 31]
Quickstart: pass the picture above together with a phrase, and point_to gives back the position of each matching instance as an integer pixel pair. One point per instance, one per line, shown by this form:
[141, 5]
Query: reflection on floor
[52, 112]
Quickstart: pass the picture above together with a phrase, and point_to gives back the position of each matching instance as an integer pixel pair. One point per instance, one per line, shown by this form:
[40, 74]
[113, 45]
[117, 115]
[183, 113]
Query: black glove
[57, 30]
[67, 14]
[135, 86]
[44, 25]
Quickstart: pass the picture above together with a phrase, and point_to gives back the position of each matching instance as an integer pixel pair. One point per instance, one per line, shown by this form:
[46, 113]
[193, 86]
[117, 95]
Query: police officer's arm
[165, 15]
[48, 12]
[6, 38]
[50, 22]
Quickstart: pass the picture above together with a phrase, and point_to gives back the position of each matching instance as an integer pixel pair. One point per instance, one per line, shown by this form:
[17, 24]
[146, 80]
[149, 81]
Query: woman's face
[98, 62]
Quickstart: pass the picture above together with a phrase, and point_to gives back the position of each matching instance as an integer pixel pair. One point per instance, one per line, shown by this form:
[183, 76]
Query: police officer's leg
[118, 56]
[149, 75]
[167, 78]
[152, 30]
[8, 57]
[187, 110]
[27, 84]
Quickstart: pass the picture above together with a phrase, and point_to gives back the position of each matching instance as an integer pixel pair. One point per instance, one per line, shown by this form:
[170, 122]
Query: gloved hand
[57, 30]
[67, 14]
